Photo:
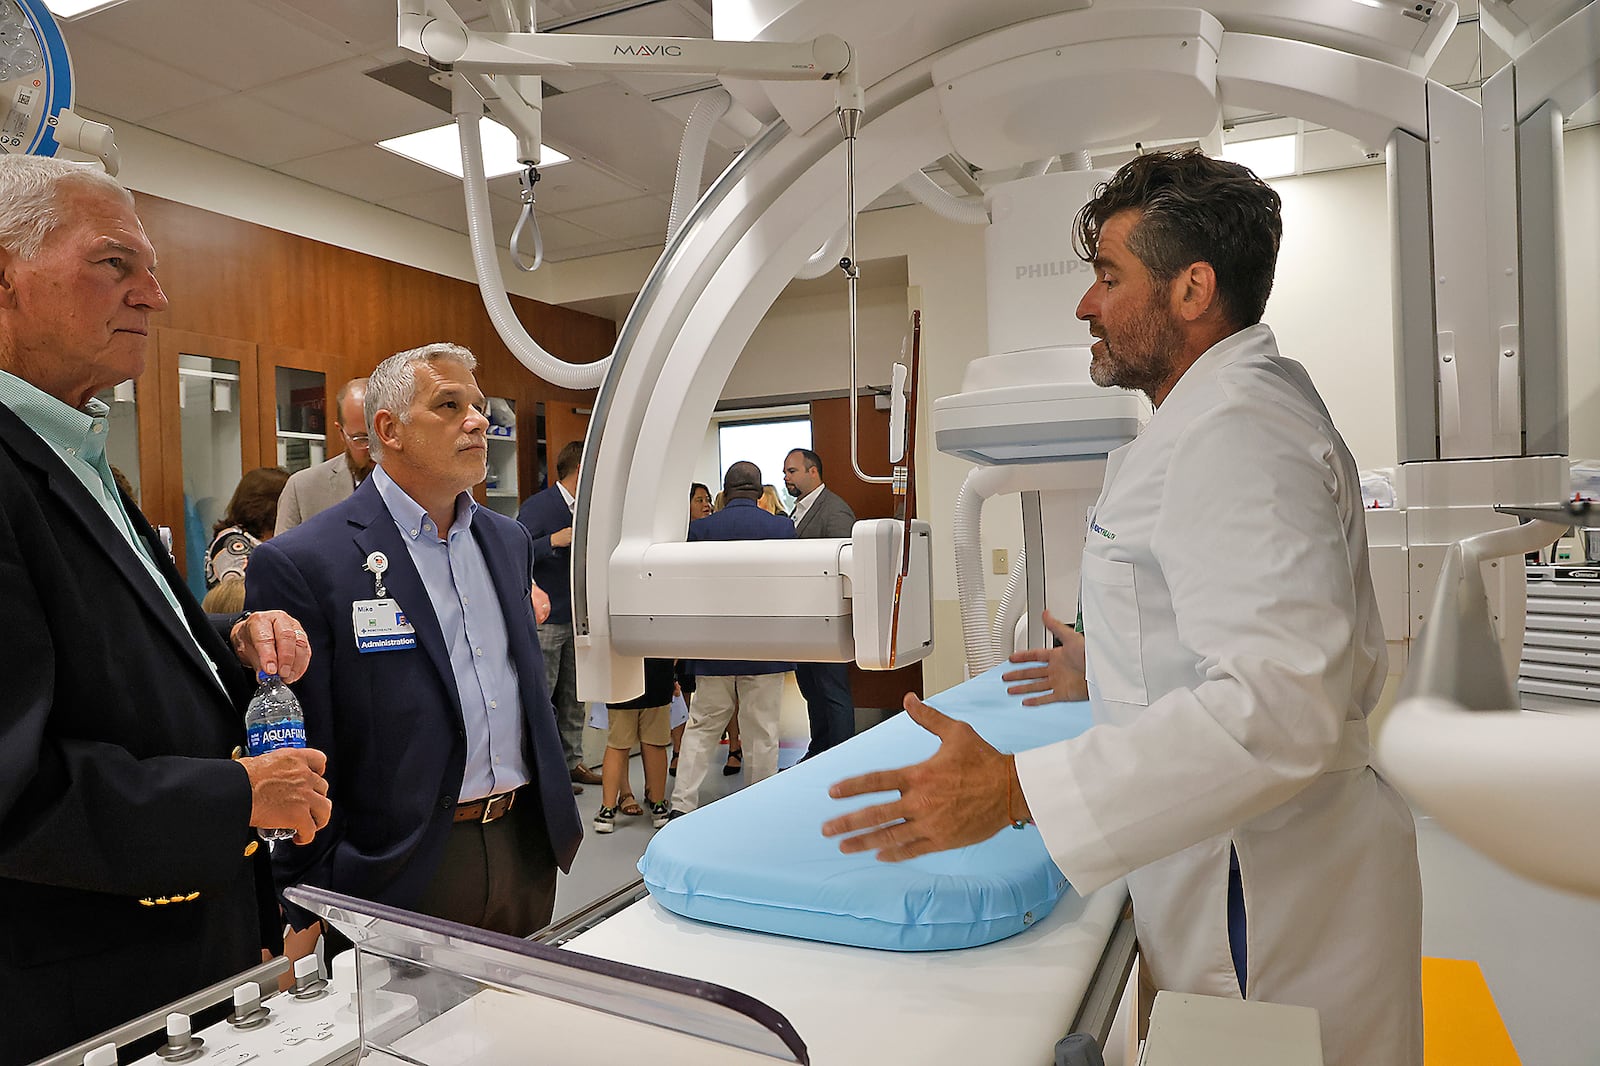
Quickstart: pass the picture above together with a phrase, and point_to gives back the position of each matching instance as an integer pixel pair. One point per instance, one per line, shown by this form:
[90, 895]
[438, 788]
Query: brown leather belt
[486, 810]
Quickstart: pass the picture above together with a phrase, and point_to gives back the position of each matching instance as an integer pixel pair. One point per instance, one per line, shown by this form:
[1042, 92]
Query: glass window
[765, 443]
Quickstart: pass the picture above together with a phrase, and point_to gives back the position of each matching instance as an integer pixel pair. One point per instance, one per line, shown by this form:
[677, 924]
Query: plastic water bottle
[273, 720]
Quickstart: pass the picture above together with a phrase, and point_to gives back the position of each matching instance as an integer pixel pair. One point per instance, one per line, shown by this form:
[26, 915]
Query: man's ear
[8, 287]
[386, 428]
[1194, 291]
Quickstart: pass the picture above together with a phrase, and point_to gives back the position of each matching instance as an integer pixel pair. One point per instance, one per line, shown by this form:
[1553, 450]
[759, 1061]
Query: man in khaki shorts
[645, 721]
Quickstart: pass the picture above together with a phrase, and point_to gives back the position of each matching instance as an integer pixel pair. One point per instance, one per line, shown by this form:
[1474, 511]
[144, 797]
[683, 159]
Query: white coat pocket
[1111, 630]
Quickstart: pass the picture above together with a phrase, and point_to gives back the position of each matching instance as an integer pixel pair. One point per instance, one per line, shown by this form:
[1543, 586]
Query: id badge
[380, 625]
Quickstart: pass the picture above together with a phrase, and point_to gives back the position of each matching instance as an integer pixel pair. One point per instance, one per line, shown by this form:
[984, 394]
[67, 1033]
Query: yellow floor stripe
[1460, 1024]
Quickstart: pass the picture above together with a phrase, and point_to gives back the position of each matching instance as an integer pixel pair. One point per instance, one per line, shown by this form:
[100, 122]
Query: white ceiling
[283, 84]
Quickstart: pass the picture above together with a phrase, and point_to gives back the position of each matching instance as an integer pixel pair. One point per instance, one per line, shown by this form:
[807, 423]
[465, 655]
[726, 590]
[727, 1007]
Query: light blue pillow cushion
[758, 860]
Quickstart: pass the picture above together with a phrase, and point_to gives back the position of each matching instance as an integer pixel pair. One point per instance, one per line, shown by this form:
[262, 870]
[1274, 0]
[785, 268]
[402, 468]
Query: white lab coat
[1234, 652]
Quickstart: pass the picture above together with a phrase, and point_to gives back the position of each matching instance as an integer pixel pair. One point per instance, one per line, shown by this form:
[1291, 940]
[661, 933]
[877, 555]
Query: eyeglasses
[353, 438]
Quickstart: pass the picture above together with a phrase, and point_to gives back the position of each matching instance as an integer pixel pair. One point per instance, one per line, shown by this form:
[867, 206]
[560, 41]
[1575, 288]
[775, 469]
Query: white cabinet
[500, 485]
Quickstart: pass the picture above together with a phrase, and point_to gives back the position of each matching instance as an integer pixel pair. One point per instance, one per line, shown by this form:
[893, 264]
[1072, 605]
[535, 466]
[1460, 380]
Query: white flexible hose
[982, 483]
[1036, 168]
[825, 258]
[692, 155]
[1079, 160]
[480, 229]
[925, 191]
[967, 531]
[1003, 633]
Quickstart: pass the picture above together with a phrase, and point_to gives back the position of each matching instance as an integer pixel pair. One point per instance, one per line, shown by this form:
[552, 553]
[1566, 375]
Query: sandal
[628, 804]
[672, 770]
[735, 762]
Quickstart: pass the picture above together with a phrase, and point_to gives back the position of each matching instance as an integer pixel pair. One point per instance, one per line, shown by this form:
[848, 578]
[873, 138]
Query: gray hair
[392, 386]
[30, 198]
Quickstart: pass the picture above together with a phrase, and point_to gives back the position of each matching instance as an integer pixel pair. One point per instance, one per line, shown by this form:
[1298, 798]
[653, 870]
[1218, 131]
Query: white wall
[1583, 290]
[803, 345]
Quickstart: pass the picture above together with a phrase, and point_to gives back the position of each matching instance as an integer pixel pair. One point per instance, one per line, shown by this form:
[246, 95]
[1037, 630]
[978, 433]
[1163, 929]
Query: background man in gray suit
[318, 488]
[826, 686]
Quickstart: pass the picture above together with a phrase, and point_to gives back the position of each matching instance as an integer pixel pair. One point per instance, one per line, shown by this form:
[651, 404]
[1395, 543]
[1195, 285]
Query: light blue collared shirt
[79, 439]
[463, 597]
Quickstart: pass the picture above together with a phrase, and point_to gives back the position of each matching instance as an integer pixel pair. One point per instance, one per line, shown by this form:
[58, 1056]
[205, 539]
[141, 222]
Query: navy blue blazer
[740, 520]
[544, 513]
[115, 782]
[390, 722]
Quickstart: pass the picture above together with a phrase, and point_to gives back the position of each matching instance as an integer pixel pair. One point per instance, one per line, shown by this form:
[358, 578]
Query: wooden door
[564, 421]
[830, 439]
[290, 420]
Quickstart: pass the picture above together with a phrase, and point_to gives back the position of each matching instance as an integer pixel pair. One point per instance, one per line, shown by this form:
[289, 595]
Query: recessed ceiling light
[71, 9]
[1269, 157]
[440, 148]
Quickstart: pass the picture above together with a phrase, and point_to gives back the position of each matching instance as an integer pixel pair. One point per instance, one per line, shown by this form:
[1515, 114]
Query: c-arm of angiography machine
[1476, 217]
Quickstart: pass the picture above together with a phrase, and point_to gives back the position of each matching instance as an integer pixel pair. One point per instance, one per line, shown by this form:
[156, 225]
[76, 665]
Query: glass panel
[433, 993]
[208, 402]
[766, 443]
[542, 478]
[302, 418]
[122, 443]
[500, 486]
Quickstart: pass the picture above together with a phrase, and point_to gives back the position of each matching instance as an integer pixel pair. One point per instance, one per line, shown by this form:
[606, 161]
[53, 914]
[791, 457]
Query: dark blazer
[390, 722]
[115, 781]
[828, 516]
[740, 520]
[544, 513]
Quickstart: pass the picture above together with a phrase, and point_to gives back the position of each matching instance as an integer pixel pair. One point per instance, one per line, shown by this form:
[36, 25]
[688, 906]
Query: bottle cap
[262, 676]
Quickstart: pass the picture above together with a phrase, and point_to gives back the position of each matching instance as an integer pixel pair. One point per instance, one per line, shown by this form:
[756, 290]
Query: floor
[1539, 949]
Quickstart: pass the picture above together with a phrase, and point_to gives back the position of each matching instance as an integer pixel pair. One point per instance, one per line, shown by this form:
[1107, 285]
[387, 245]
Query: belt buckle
[489, 812]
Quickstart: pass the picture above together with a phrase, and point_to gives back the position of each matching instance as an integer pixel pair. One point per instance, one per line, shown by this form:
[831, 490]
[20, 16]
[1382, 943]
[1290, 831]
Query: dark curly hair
[254, 506]
[1192, 209]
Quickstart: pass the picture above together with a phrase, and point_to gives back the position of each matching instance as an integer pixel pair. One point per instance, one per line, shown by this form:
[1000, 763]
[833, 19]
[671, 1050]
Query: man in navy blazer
[130, 875]
[426, 687]
[547, 515]
[755, 689]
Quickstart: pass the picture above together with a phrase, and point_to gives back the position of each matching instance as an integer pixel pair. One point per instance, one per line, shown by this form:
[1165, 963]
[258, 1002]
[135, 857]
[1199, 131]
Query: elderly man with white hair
[130, 874]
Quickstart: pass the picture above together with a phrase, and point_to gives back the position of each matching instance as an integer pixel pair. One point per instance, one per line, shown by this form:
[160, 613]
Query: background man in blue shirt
[755, 689]
[451, 793]
[548, 518]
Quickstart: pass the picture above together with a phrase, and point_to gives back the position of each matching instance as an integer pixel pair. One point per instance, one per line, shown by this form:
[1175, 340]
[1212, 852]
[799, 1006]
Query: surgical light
[440, 149]
[71, 9]
[1269, 157]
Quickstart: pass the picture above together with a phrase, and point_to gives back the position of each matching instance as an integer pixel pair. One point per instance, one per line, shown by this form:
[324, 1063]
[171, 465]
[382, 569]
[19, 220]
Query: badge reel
[380, 624]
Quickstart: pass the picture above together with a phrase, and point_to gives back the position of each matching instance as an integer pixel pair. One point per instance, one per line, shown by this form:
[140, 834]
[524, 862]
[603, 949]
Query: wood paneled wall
[234, 279]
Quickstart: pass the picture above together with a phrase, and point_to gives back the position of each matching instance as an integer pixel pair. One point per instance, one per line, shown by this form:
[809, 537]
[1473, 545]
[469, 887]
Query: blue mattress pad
[757, 859]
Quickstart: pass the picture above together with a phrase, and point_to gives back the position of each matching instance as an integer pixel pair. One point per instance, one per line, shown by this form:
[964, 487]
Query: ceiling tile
[571, 187]
[358, 24]
[368, 173]
[447, 208]
[645, 215]
[234, 43]
[344, 99]
[248, 129]
[115, 81]
[636, 139]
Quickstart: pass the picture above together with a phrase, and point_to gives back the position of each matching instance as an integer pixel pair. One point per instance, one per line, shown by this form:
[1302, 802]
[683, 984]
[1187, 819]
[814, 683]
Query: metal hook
[527, 179]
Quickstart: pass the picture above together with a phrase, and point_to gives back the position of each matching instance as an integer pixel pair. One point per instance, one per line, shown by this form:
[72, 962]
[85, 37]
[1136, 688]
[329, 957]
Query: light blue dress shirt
[463, 597]
[79, 438]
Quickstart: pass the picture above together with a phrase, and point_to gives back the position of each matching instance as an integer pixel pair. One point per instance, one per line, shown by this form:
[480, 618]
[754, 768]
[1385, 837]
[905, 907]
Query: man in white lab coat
[1231, 649]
